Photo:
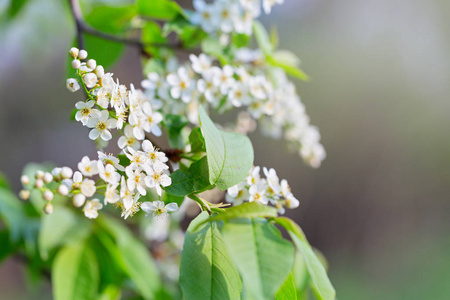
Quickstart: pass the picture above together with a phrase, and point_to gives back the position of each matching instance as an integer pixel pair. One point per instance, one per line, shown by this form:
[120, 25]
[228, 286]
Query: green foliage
[207, 271]
[113, 19]
[288, 290]
[14, 8]
[174, 126]
[151, 34]
[230, 155]
[159, 9]
[75, 273]
[262, 256]
[321, 285]
[197, 140]
[245, 210]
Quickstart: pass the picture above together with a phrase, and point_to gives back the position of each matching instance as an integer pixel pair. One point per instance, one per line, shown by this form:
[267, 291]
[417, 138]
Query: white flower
[292, 202]
[107, 81]
[90, 80]
[181, 85]
[82, 54]
[103, 97]
[238, 95]
[91, 208]
[152, 154]
[87, 187]
[110, 159]
[152, 120]
[267, 5]
[258, 192]
[205, 16]
[129, 199]
[72, 84]
[99, 71]
[156, 85]
[111, 194]
[137, 158]
[136, 180]
[78, 200]
[101, 125]
[285, 189]
[226, 79]
[85, 111]
[227, 13]
[252, 6]
[119, 96]
[237, 193]
[128, 139]
[209, 84]
[253, 175]
[272, 180]
[157, 179]
[243, 24]
[88, 167]
[158, 209]
[108, 173]
[200, 64]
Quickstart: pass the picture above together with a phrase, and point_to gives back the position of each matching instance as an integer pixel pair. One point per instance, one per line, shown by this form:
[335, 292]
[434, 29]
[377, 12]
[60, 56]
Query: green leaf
[58, 228]
[174, 125]
[300, 273]
[13, 214]
[4, 183]
[288, 68]
[230, 155]
[8, 247]
[15, 6]
[262, 38]
[287, 290]
[112, 19]
[197, 140]
[159, 9]
[75, 273]
[168, 198]
[240, 40]
[262, 256]
[105, 52]
[151, 34]
[153, 65]
[194, 180]
[274, 40]
[136, 259]
[207, 271]
[245, 210]
[322, 287]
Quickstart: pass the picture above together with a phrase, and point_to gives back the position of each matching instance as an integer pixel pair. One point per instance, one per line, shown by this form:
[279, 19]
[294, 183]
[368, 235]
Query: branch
[82, 27]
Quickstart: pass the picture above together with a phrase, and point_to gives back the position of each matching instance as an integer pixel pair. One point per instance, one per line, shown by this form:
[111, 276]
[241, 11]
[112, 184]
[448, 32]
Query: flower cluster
[225, 17]
[267, 94]
[115, 183]
[110, 105]
[267, 190]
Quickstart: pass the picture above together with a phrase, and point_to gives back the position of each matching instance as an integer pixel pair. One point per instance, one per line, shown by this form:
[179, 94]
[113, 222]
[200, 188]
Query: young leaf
[262, 256]
[287, 290]
[75, 273]
[262, 38]
[159, 9]
[245, 210]
[174, 125]
[230, 155]
[322, 287]
[288, 68]
[197, 140]
[113, 19]
[207, 271]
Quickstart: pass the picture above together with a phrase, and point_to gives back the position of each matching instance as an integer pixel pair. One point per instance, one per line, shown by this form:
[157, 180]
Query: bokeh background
[379, 206]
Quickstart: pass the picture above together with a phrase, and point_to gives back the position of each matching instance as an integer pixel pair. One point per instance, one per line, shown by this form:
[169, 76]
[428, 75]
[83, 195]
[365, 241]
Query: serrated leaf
[230, 155]
[262, 256]
[135, 258]
[75, 273]
[287, 290]
[321, 285]
[159, 9]
[246, 210]
[207, 271]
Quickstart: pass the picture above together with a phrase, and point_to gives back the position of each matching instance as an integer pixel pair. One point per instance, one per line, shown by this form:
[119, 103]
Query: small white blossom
[85, 111]
[200, 64]
[90, 80]
[181, 85]
[78, 200]
[91, 208]
[108, 173]
[82, 54]
[157, 209]
[258, 192]
[157, 179]
[111, 194]
[72, 84]
[88, 187]
[88, 167]
[101, 125]
[136, 180]
[128, 139]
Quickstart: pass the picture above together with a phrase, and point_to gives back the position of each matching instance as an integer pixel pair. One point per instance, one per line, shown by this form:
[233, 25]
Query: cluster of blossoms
[267, 190]
[116, 184]
[225, 17]
[111, 106]
[267, 94]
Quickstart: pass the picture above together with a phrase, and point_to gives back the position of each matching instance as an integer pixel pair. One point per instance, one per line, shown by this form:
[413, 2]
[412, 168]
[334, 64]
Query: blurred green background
[379, 206]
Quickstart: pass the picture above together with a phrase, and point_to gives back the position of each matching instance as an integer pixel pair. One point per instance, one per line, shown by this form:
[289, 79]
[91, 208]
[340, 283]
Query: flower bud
[100, 71]
[48, 209]
[74, 52]
[66, 172]
[76, 64]
[48, 177]
[63, 190]
[91, 64]
[78, 200]
[25, 179]
[39, 183]
[72, 84]
[90, 79]
[24, 194]
[48, 195]
[82, 54]
[39, 174]
[56, 172]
